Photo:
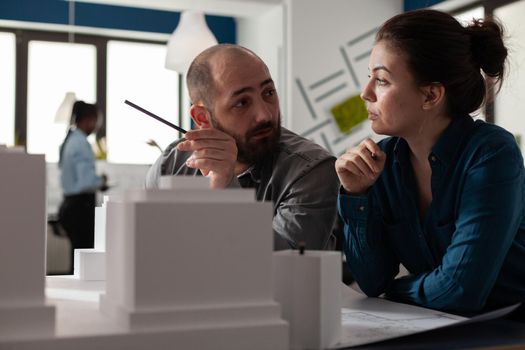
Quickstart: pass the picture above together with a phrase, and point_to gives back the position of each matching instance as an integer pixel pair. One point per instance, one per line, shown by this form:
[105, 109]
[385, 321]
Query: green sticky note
[349, 113]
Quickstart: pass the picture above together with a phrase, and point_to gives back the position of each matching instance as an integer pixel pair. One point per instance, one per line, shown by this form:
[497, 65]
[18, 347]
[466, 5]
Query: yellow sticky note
[349, 113]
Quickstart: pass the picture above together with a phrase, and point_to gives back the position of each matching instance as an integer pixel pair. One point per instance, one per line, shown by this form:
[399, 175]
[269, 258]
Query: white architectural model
[90, 264]
[308, 287]
[23, 310]
[193, 260]
[187, 268]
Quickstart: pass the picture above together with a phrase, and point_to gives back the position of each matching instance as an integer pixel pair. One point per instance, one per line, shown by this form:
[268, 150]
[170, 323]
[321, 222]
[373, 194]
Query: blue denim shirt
[468, 254]
[78, 174]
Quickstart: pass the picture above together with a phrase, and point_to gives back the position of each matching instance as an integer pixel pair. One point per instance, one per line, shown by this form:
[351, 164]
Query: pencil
[162, 120]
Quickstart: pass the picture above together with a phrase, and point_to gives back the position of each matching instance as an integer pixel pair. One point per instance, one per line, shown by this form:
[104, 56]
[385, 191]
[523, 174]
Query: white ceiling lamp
[190, 38]
[63, 114]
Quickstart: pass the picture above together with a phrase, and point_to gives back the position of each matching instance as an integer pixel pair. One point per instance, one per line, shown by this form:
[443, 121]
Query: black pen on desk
[302, 246]
[154, 116]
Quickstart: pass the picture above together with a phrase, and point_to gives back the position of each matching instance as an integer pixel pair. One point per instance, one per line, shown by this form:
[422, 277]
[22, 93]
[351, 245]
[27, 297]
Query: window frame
[24, 36]
[15, 83]
[489, 7]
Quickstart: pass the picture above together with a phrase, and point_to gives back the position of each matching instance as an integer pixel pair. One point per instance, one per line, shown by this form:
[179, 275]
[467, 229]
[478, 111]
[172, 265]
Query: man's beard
[249, 150]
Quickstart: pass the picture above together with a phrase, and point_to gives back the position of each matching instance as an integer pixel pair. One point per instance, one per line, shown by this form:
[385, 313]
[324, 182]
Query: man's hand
[359, 167]
[214, 154]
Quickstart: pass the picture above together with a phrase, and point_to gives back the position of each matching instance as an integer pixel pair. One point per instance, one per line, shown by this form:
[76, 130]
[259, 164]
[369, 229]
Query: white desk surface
[79, 321]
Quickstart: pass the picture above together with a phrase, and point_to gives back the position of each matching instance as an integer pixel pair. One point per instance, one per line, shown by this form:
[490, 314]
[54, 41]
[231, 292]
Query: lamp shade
[190, 38]
[63, 114]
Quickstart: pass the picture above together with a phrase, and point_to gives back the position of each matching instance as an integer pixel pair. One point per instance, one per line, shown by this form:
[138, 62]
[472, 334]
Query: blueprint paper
[366, 320]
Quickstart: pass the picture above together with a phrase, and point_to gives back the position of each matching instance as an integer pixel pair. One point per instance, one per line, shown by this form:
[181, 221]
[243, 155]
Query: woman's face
[393, 99]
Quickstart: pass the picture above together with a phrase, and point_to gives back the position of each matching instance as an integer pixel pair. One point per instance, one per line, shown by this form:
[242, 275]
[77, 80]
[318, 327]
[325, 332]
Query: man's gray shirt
[299, 178]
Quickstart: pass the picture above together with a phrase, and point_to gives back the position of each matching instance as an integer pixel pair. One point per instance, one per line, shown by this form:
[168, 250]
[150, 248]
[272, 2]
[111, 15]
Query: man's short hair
[199, 79]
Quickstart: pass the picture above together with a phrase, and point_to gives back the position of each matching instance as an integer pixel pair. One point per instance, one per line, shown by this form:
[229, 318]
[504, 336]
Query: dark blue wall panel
[109, 16]
[46, 11]
[128, 18]
[417, 4]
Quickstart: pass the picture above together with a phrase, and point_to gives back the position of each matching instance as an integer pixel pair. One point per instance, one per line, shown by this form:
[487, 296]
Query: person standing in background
[79, 179]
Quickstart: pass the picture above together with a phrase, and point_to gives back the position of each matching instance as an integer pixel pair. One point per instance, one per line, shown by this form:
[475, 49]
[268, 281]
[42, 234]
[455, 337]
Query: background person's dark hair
[80, 111]
[439, 49]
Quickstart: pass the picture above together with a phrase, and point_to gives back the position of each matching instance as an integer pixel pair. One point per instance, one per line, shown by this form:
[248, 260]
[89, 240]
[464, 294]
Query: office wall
[509, 106]
[328, 44]
[410, 5]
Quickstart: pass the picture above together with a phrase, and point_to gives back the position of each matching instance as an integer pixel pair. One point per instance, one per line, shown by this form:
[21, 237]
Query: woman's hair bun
[487, 46]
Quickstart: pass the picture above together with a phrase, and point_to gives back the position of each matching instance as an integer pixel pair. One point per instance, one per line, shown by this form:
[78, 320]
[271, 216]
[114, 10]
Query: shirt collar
[401, 151]
[252, 173]
[262, 168]
[450, 140]
[447, 144]
[79, 131]
[255, 172]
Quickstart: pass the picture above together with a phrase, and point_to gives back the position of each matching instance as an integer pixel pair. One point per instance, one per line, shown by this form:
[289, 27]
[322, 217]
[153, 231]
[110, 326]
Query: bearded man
[238, 141]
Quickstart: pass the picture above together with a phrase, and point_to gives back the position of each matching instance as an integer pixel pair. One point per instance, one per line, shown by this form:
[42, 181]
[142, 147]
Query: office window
[509, 108]
[7, 89]
[54, 69]
[135, 71]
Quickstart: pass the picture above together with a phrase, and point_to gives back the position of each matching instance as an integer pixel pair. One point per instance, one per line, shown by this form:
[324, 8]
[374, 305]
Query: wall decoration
[349, 113]
[341, 121]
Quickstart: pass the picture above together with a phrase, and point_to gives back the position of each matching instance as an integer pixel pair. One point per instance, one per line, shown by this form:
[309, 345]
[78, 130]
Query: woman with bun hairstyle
[79, 179]
[444, 194]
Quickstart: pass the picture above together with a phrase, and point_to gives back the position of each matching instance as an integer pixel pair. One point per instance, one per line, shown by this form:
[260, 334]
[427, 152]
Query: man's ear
[434, 95]
[200, 116]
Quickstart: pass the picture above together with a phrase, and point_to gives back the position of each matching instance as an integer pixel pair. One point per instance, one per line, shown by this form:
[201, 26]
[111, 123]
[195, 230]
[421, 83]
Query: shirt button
[433, 158]
[362, 208]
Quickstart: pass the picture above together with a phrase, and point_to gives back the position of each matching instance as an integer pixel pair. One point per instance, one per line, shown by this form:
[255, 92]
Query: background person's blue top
[469, 253]
[78, 174]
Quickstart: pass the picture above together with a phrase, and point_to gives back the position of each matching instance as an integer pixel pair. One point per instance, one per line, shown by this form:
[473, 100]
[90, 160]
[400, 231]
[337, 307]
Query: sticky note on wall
[349, 113]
